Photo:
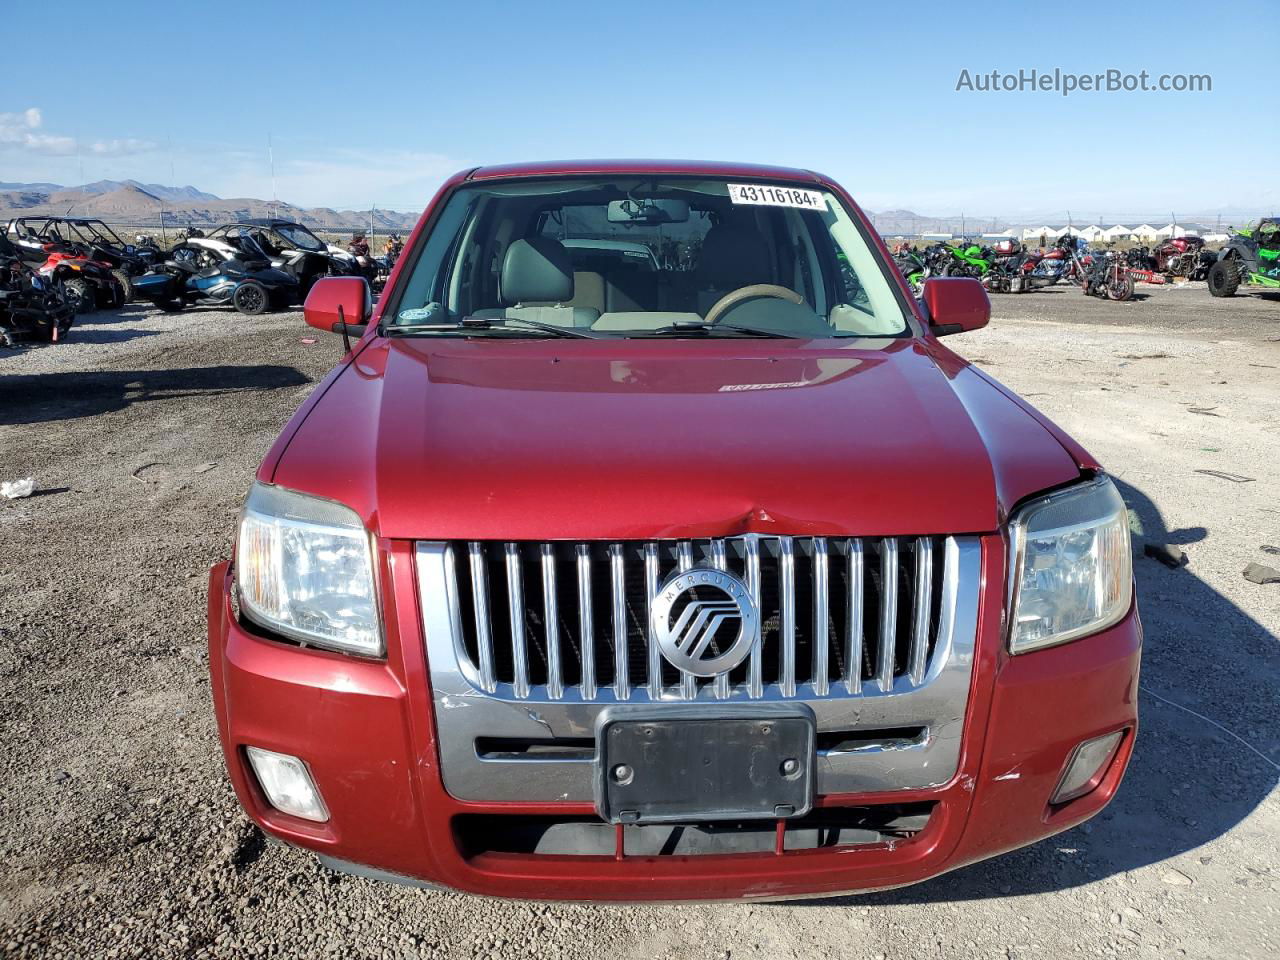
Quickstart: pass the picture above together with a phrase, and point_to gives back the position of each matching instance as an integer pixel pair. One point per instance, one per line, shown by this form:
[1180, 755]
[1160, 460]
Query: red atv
[87, 284]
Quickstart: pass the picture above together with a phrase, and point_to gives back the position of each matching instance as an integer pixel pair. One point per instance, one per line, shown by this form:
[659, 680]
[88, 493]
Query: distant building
[1144, 233]
[1181, 230]
[1118, 232]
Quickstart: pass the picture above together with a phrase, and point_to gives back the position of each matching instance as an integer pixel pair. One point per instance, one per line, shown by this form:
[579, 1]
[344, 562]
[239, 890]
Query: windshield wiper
[701, 326]
[474, 325]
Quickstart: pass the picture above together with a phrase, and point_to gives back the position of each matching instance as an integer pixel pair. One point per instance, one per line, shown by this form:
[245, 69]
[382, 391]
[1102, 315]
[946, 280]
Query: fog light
[1087, 766]
[287, 783]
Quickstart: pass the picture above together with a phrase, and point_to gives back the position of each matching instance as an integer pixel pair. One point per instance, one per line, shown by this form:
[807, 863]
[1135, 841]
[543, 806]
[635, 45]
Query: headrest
[733, 255]
[536, 270]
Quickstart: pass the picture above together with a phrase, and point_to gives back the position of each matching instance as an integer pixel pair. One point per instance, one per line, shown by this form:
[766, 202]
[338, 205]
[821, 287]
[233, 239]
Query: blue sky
[377, 102]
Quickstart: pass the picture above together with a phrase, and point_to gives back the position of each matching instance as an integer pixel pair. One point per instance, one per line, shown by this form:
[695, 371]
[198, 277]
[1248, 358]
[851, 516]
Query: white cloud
[23, 132]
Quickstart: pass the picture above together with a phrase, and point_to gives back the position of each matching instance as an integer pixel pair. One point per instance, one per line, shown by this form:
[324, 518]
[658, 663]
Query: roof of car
[668, 167]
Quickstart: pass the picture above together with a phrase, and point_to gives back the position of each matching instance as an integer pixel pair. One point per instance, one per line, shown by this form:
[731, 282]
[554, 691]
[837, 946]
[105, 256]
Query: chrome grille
[570, 621]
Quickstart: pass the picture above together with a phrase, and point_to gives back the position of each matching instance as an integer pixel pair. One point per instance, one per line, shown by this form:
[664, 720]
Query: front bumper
[367, 731]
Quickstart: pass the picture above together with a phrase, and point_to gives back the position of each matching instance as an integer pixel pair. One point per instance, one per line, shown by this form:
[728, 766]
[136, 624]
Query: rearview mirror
[648, 210]
[955, 305]
[335, 301]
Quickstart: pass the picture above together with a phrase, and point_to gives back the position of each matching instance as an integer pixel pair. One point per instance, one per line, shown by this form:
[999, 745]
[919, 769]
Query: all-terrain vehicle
[94, 240]
[1251, 256]
[30, 308]
[86, 282]
[291, 248]
[215, 272]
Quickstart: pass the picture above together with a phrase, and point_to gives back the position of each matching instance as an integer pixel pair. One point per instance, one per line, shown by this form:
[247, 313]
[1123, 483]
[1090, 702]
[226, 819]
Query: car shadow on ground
[43, 398]
[1189, 781]
[96, 334]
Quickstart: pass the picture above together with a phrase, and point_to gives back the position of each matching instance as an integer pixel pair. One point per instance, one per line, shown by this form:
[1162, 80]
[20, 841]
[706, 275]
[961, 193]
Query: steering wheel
[750, 292]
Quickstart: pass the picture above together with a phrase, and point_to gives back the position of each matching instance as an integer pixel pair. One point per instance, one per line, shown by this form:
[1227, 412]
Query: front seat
[536, 283]
[734, 254]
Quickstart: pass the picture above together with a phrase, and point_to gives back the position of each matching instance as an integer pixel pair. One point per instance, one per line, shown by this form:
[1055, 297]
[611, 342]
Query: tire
[126, 283]
[81, 294]
[1224, 278]
[251, 298]
[1121, 288]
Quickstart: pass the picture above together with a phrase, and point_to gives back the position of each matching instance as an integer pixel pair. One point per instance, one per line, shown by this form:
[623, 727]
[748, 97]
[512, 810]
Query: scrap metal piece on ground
[1260, 573]
[1223, 475]
[1166, 553]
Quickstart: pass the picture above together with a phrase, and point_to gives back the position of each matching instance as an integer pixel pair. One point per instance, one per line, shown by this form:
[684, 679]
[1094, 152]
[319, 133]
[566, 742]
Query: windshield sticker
[415, 314]
[754, 193]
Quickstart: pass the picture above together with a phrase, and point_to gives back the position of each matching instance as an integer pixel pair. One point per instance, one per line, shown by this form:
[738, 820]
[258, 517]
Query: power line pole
[271, 159]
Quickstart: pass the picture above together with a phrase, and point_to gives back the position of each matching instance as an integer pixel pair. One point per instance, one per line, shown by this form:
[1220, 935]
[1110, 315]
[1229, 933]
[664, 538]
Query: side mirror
[339, 305]
[955, 305]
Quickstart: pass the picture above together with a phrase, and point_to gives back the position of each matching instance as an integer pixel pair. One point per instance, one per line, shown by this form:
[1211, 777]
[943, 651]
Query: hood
[618, 439]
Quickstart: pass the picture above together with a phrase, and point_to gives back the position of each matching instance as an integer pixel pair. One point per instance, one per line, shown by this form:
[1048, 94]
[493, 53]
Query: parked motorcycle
[1103, 274]
[207, 271]
[959, 260]
[1015, 270]
[1183, 257]
[913, 268]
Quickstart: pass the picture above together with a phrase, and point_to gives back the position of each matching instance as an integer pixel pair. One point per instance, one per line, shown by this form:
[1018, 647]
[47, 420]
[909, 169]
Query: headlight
[304, 568]
[1071, 570]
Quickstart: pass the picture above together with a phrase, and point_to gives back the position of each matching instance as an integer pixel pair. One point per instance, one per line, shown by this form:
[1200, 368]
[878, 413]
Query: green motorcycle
[1250, 257]
[913, 269]
[960, 260]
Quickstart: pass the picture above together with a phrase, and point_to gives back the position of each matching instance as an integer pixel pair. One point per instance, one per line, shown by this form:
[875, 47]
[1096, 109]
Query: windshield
[638, 256]
[299, 236]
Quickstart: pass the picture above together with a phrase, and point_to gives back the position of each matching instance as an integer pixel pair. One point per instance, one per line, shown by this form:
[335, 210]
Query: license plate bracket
[705, 768]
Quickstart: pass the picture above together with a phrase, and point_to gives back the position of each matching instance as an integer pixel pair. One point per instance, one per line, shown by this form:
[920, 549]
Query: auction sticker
[767, 196]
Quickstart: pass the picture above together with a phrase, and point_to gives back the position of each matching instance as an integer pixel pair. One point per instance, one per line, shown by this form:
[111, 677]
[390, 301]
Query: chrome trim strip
[651, 590]
[821, 617]
[853, 649]
[551, 622]
[755, 666]
[720, 560]
[617, 577]
[586, 626]
[787, 615]
[515, 602]
[463, 712]
[684, 561]
[480, 601]
[924, 601]
[888, 611]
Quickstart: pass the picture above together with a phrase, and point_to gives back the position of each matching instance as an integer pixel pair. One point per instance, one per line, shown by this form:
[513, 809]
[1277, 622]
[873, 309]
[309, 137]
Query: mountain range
[128, 202]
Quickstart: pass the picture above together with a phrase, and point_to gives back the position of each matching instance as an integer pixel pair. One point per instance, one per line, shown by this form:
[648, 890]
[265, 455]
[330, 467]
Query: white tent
[1118, 232]
[1145, 232]
[1176, 230]
[1091, 233]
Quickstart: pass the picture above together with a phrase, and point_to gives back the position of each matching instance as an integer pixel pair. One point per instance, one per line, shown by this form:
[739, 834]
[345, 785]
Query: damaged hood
[629, 439]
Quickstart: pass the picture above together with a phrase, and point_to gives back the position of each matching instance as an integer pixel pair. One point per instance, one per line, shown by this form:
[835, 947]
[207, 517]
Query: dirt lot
[121, 837]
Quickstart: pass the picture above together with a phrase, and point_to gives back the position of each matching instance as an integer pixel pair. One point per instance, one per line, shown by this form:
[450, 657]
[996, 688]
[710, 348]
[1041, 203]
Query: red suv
[648, 544]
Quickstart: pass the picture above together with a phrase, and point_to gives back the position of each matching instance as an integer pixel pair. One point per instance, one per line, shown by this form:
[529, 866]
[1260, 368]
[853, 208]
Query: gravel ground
[121, 836]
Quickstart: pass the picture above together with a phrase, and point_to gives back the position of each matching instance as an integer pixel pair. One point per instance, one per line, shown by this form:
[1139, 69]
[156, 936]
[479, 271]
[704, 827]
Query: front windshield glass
[633, 256]
[299, 236]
